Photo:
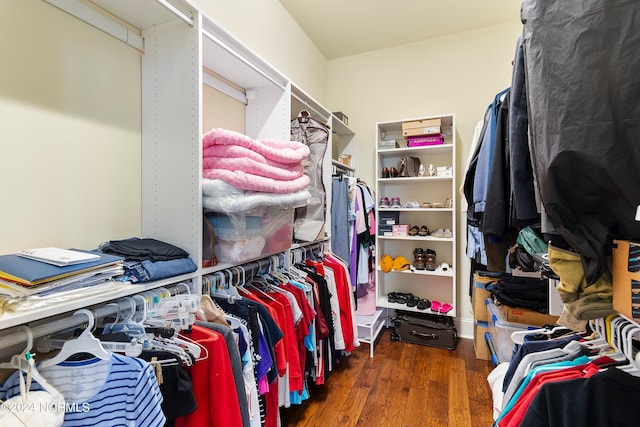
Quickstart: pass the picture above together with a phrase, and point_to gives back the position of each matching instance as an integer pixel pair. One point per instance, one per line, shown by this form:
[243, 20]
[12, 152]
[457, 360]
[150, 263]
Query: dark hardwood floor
[403, 385]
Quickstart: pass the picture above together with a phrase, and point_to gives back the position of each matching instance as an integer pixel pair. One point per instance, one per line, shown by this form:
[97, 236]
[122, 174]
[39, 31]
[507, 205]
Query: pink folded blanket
[275, 150]
[250, 166]
[239, 152]
[251, 182]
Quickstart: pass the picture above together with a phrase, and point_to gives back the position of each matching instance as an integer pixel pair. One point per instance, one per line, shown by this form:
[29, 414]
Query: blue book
[30, 272]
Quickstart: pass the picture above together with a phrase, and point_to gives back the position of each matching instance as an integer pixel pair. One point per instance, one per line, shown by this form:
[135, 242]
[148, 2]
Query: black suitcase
[426, 329]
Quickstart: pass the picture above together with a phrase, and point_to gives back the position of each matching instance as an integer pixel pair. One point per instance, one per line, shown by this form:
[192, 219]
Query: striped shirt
[119, 392]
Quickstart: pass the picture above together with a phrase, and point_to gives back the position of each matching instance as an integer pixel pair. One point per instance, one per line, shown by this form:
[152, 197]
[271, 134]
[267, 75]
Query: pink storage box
[420, 141]
[400, 230]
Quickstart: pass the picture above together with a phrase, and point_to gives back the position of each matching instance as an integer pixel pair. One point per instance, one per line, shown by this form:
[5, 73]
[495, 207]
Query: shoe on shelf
[438, 205]
[448, 203]
[443, 268]
[445, 308]
[395, 202]
[413, 231]
[424, 231]
[430, 260]
[384, 202]
[423, 304]
[385, 172]
[426, 204]
[442, 233]
[393, 172]
[413, 302]
[411, 205]
[418, 262]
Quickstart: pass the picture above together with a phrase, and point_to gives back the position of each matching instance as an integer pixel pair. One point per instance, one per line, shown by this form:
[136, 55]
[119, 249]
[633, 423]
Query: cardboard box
[429, 130]
[400, 230]
[527, 317]
[479, 343]
[626, 278]
[422, 127]
[389, 218]
[478, 294]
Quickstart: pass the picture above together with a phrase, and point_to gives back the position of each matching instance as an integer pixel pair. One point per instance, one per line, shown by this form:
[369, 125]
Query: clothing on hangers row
[295, 323]
[96, 380]
[576, 379]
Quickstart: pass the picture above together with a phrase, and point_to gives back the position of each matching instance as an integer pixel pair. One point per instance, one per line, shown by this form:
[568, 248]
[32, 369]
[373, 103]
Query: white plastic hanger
[518, 336]
[85, 343]
[24, 362]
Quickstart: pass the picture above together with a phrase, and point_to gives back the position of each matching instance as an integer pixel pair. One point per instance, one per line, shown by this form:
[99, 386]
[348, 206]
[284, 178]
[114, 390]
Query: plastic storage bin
[246, 236]
[500, 331]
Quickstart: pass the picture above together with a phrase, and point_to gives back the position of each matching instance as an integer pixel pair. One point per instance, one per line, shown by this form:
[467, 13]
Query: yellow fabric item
[573, 285]
[581, 301]
[401, 263]
[386, 263]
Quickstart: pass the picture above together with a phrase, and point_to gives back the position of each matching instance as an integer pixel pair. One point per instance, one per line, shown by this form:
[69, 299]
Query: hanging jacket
[582, 82]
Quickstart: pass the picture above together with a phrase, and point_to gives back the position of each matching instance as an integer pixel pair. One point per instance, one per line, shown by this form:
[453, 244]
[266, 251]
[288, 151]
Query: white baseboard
[464, 328]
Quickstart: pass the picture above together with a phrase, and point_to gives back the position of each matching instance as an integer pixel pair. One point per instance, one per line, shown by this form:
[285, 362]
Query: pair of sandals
[425, 259]
[409, 299]
[441, 307]
[419, 231]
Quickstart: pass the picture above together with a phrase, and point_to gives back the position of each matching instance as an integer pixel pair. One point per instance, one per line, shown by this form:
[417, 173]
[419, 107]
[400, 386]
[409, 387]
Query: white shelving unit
[433, 285]
[369, 327]
[179, 47]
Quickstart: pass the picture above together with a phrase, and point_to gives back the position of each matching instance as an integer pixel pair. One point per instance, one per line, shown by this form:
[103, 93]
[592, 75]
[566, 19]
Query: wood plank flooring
[403, 385]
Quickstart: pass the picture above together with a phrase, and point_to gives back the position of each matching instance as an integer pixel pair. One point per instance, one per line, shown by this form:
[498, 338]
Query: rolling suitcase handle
[422, 335]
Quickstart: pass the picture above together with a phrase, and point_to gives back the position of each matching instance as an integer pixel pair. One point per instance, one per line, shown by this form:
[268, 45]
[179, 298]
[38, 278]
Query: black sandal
[413, 302]
[424, 231]
[414, 230]
[423, 304]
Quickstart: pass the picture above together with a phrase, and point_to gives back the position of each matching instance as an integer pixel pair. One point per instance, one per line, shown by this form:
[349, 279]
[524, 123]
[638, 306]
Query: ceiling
[348, 27]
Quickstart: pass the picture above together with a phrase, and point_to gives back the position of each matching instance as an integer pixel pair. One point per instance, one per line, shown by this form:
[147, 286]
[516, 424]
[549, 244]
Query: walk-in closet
[273, 213]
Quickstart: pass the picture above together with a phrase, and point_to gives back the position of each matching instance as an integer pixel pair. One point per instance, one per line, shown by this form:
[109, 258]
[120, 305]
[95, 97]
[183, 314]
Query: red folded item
[417, 141]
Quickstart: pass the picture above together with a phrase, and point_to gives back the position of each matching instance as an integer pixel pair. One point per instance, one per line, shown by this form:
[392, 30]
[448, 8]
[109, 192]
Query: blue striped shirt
[120, 392]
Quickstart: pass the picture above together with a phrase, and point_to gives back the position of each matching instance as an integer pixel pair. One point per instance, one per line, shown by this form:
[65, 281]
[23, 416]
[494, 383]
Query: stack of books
[44, 271]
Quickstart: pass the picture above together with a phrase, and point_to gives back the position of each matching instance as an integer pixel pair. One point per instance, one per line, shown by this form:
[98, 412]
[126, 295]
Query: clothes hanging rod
[74, 321]
[99, 21]
[241, 58]
[342, 166]
[223, 87]
[244, 272]
[309, 106]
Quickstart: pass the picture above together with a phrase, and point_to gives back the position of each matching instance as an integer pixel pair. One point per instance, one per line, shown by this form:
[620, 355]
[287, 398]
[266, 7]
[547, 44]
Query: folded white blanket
[220, 196]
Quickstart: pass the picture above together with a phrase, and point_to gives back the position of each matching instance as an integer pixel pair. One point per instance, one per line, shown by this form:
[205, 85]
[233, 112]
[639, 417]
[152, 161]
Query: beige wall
[457, 74]
[69, 131]
[266, 27]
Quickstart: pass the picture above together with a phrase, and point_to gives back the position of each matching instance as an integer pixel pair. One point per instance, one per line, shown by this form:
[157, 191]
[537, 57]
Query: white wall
[457, 74]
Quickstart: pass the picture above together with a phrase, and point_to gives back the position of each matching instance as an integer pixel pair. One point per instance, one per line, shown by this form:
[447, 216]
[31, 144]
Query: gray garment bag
[309, 220]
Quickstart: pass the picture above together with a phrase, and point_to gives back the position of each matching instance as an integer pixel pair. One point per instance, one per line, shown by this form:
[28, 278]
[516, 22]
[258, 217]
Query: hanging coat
[583, 87]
